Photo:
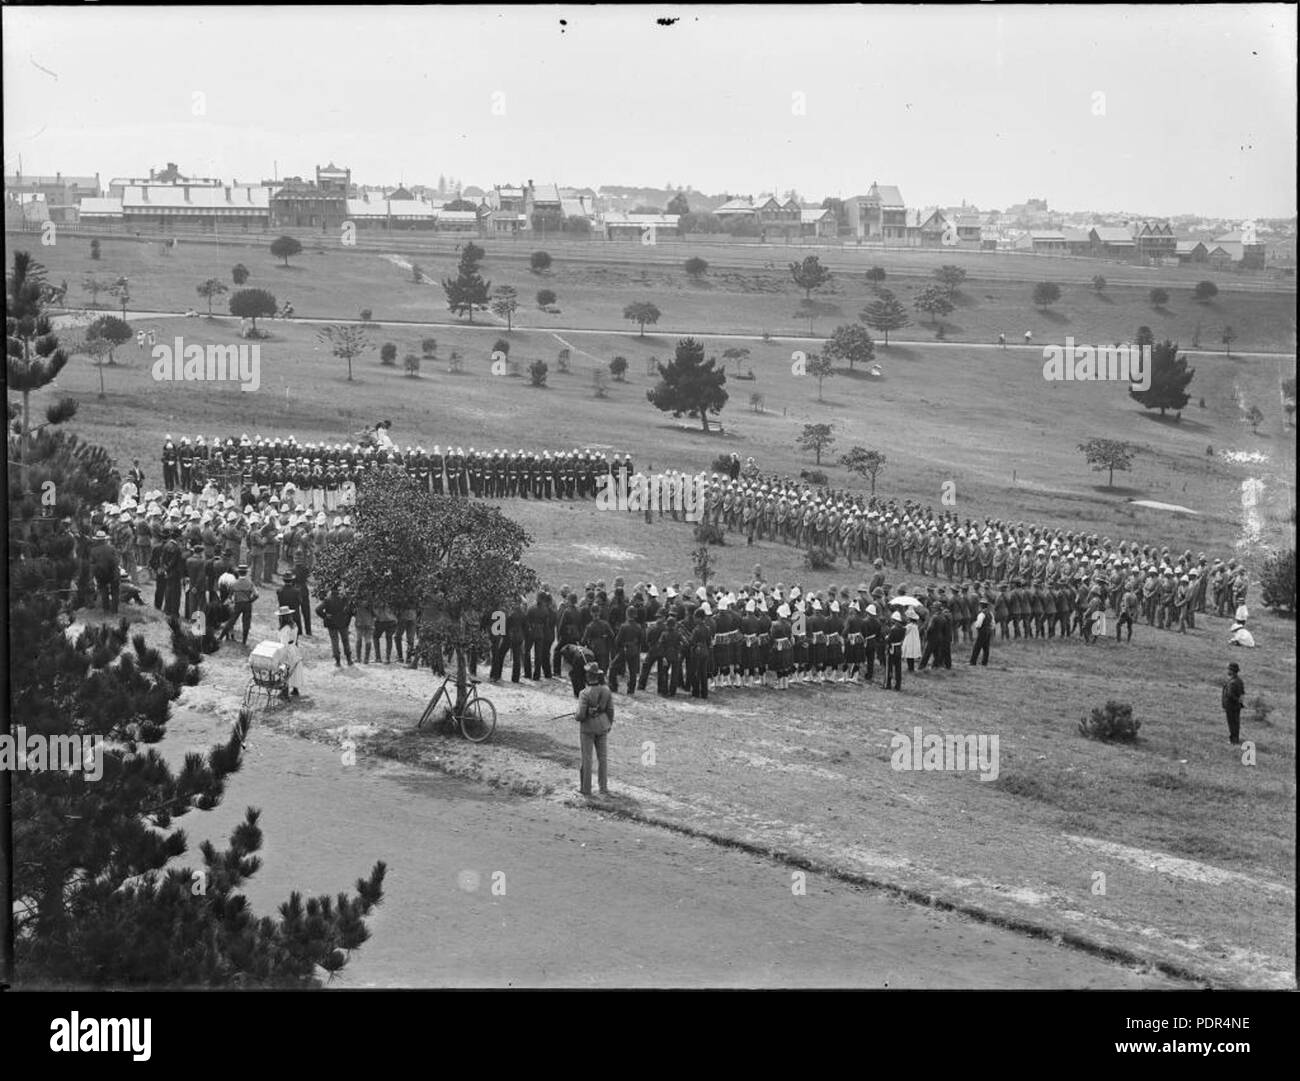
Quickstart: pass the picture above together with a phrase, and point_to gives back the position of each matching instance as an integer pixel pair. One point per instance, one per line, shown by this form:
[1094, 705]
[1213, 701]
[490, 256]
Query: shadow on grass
[1185, 425]
[898, 352]
[1051, 316]
[1118, 491]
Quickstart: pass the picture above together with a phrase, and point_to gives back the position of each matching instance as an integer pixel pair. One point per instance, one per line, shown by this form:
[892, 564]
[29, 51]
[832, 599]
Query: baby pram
[269, 671]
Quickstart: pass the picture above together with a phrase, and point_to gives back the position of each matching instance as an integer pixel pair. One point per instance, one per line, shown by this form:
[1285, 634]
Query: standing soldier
[895, 637]
[1234, 693]
[595, 716]
[627, 654]
[169, 460]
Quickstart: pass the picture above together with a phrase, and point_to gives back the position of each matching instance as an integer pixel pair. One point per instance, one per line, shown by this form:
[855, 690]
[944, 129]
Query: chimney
[187, 193]
[144, 193]
[228, 199]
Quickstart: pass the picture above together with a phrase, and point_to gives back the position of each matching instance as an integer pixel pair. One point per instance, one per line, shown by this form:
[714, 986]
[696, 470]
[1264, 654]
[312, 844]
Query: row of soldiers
[331, 467]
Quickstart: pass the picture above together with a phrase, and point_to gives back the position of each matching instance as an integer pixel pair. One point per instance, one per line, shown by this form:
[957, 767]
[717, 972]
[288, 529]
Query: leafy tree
[950, 277]
[1046, 294]
[99, 352]
[645, 208]
[283, 247]
[417, 273]
[689, 384]
[455, 560]
[467, 291]
[885, 313]
[501, 346]
[411, 362]
[1277, 580]
[851, 343]
[94, 250]
[737, 354]
[33, 355]
[347, 341]
[696, 267]
[94, 286]
[239, 273]
[641, 313]
[429, 346]
[756, 402]
[1205, 291]
[539, 261]
[809, 275]
[366, 314]
[816, 438]
[461, 205]
[678, 205]
[821, 368]
[1145, 336]
[122, 290]
[933, 300]
[388, 354]
[618, 368]
[1170, 376]
[1255, 417]
[537, 371]
[1108, 454]
[864, 462]
[545, 298]
[1159, 297]
[112, 331]
[505, 304]
[253, 304]
[875, 275]
[211, 289]
[1098, 283]
[1229, 336]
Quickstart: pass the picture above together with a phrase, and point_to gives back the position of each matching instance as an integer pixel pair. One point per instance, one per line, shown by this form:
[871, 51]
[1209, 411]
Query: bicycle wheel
[478, 720]
[429, 709]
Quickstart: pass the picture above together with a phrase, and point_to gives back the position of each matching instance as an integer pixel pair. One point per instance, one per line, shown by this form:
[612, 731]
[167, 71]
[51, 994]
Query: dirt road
[581, 899]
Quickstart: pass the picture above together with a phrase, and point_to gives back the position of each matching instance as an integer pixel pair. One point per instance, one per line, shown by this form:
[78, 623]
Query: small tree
[885, 313]
[99, 351]
[1255, 417]
[1170, 377]
[689, 384]
[429, 346]
[239, 273]
[467, 292]
[756, 402]
[1098, 283]
[875, 275]
[933, 300]
[852, 343]
[539, 262]
[94, 286]
[455, 362]
[618, 369]
[112, 330]
[1112, 724]
[417, 273]
[950, 277]
[696, 267]
[809, 275]
[702, 564]
[821, 368]
[366, 314]
[537, 372]
[501, 346]
[94, 250]
[504, 305]
[1159, 297]
[545, 298]
[1108, 454]
[864, 462]
[1046, 294]
[1277, 580]
[345, 341]
[641, 313]
[412, 364]
[562, 360]
[1205, 292]
[1229, 336]
[284, 247]
[816, 438]
[211, 289]
[388, 355]
[253, 304]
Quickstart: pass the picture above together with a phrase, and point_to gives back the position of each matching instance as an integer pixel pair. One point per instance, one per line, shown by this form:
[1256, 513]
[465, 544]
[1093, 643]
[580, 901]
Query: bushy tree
[1205, 291]
[504, 305]
[388, 354]
[641, 313]
[210, 290]
[865, 462]
[545, 298]
[1159, 297]
[239, 273]
[1170, 377]
[110, 330]
[94, 286]
[821, 368]
[537, 372]
[1277, 580]
[950, 277]
[933, 300]
[467, 292]
[618, 368]
[851, 343]
[253, 304]
[347, 341]
[1046, 294]
[817, 438]
[539, 262]
[1110, 455]
[411, 362]
[429, 346]
[696, 267]
[1098, 283]
[809, 274]
[284, 247]
[690, 385]
[885, 313]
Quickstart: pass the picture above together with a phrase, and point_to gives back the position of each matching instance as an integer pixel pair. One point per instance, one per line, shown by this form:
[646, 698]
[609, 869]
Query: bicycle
[476, 721]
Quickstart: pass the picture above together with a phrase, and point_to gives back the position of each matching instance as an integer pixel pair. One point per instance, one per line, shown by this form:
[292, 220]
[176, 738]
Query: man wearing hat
[106, 568]
[1234, 692]
[242, 595]
[288, 595]
[894, 638]
[983, 635]
[595, 717]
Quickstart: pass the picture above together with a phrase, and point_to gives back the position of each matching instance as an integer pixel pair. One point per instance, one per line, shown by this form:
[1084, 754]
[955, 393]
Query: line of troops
[916, 540]
[324, 473]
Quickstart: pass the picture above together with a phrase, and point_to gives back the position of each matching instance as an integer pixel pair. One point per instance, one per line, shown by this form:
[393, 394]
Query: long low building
[162, 207]
[640, 226]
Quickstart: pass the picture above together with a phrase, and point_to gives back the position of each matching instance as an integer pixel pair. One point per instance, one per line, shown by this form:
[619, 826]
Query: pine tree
[885, 313]
[689, 384]
[468, 291]
[1170, 376]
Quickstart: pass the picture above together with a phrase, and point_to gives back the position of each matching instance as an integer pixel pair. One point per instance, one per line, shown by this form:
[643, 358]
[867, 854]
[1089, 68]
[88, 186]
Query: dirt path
[589, 900]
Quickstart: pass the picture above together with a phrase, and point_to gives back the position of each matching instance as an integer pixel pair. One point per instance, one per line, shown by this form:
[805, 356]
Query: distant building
[644, 227]
[1247, 256]
[457, 221]
[819, 222]
[167, 206]
[1112, 241]
[1191, 251]
[1154, 240]
[1043, 241]
[398, 209]
[51, 198]
[880, 215]
[320, 204]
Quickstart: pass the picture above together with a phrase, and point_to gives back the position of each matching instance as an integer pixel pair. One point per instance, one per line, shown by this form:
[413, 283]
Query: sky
[1159, 109]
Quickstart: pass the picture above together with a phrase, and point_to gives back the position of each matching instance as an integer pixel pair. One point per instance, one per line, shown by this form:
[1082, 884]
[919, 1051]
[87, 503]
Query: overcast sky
[1152, 109]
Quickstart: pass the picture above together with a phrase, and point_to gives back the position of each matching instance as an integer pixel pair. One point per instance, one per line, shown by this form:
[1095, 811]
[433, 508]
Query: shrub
[537, 372]
[417, 273]
[818, 559]
[366, 313]
[388, 355]
[539, 261]
[1277, 580]
[1205, 291]
[501, 346]
[412, 364]
[710, 533]
[94, 250]
[1159, 298]
[618, 368]
[562, 361]
[696, 267]
[813, 476]
[428, 346]
[1114, 723]
[545, 298]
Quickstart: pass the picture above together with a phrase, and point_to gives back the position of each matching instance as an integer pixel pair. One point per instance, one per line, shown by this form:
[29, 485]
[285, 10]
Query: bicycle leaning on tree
[476, 719]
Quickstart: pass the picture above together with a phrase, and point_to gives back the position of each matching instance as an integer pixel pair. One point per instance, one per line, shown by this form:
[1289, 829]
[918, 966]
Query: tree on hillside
[678, 205]
[94, 286]
[1046, 294]
[1145, 336]
[211, 289]
[33, 355]
[950, 277]
[253, 304]
[347, 341]
[1277, 580]
[618, 369]
[875, 275]
[112, 331]
[505, 304]
[1108, 454]
[933, 300]
[809, 275]
[239, 273]
[885, 313]
[545, 298]
[1159, 297]
[539, 262]
[467, 292]
[641, 313]
[690, 385]
[537, 372]
[851, 343]
[1229, 336]
[457, 561]
[1098, 283]
[817, 438]
[821, 368]
[282, 247]
[121, 289]
[696, 267]
[388, 354]
[864, 462]
[1205, 291]
[1170, 376]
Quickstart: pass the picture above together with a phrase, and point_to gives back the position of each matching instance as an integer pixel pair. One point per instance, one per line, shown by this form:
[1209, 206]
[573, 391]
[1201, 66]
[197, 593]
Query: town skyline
[943, 139]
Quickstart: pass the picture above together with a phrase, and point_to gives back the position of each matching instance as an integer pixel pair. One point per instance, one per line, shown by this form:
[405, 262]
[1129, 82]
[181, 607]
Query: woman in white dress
[912, 643]
[288, 635]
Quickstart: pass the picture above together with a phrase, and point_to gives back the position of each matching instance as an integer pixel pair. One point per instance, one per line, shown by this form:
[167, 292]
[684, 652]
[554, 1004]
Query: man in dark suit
[1234, 693]
[289, 594]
